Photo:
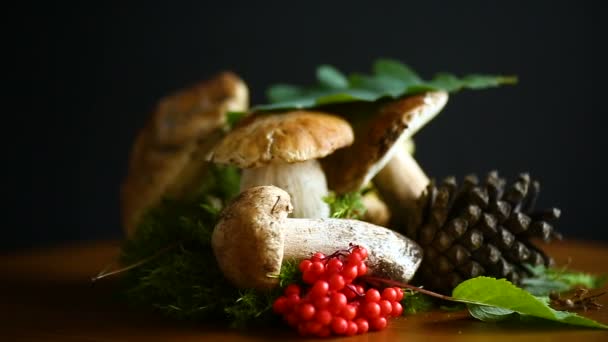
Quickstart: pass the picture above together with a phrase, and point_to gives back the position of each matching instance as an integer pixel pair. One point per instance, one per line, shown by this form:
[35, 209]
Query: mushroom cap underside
[351, 168]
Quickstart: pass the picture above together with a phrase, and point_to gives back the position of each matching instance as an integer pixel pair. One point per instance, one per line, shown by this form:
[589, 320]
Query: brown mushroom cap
[168, 155]
[248, 239]
[351, 168]
[290, 137]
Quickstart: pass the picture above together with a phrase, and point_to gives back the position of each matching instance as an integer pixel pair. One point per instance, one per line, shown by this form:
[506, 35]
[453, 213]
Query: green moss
[180, 276]
[348, 206]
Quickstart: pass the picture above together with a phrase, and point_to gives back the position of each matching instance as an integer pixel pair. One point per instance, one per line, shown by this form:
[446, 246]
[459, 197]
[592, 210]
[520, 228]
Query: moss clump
[180, 276]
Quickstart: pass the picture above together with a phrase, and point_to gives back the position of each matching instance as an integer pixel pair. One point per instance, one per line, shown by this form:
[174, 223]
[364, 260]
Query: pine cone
[480, 229]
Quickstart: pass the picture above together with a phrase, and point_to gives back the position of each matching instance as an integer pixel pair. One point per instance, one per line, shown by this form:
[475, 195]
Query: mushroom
[254, 236]
[376, 211]
[168, 156]
[380, 152]
[282, 150]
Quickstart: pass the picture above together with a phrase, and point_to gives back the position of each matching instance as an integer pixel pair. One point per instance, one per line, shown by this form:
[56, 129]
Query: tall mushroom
[253, 236]
[379, 152]
[167, 157]
[282, 150]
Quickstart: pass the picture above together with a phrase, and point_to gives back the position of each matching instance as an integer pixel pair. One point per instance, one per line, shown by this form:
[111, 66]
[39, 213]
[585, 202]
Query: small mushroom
[380, 153]
[376, 211]
[254, 236]
[282, 150]
[167, 157]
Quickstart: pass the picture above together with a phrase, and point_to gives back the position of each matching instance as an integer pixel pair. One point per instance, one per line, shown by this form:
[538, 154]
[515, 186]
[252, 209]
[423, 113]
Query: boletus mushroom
[168, 156]
[380, 153]
[282, 150]
[254, 236]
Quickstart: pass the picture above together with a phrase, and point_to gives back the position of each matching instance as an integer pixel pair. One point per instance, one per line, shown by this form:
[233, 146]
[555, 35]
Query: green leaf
[389, 78]
[282, 92]
[502, 300]
[331, 77]
[395, 69]
[415, 302]
[233, 117]
[545, 280]
[490, 313]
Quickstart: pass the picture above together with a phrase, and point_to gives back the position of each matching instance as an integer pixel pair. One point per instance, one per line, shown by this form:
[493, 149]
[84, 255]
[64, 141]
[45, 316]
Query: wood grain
[46, 295]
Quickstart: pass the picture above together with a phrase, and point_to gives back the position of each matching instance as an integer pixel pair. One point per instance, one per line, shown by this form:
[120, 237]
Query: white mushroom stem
[376, 211]
[253, 236]
[400, 184]
[304, 181]
[391, 255]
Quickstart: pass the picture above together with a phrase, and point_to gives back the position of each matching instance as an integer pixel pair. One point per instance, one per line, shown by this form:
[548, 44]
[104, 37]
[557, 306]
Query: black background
[86, 76]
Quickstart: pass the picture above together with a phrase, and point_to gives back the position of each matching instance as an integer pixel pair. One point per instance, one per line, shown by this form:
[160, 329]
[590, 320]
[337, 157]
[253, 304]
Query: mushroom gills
[304, 181]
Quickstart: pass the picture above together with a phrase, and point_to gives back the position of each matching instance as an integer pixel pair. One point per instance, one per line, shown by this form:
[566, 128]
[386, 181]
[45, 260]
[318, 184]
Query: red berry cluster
[333, 301]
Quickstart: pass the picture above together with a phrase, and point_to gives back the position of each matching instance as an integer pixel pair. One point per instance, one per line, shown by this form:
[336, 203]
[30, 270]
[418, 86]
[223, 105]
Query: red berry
[317, 268]
[292, 319]
[389, 294]
[354, 258]
[306, 311]
[336, 282]
[378, 323]
[321, 302]
[324, 317]
[397, 309]
[361, 269]
[372, 295]
[312, 327]
[304, 265]
[339, 325]
[337, 301]
[349, 272]
[280, 305]
[352, 328]
[385, 307]
[399, 293]
[371, 310]
[309, 277]
[362, 325]
[292, 289]
[334, 266]
[302, 329]
[362, 251]
[349, 293]
[319, 289]
[349, 312]
[360, 289]
[317, 257]
[293, 300]
[324, 332]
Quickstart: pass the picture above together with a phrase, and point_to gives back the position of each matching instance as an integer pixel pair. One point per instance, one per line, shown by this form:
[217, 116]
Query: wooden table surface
[46, 295]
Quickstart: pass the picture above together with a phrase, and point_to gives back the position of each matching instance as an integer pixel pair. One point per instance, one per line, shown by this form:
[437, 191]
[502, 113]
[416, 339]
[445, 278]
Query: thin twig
[411, 287]
[104, 274]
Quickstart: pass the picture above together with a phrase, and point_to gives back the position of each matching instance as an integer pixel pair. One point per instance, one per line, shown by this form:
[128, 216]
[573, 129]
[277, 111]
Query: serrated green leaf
[378, 85]
[390, 78]
[486, 81]
[282, 92]
[507, 299]
[395, 69]
[331, 77]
